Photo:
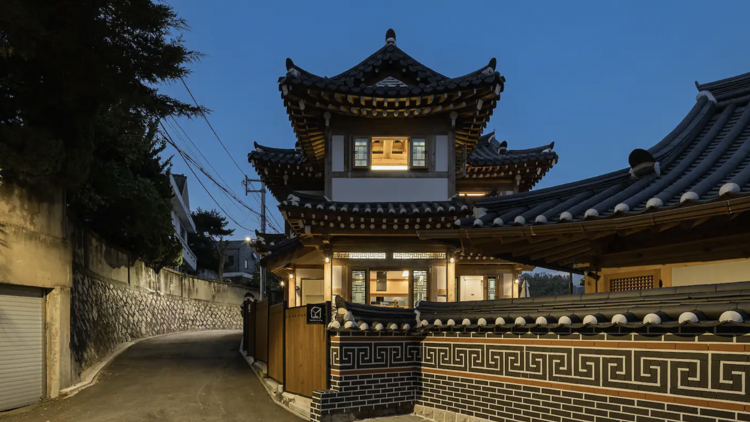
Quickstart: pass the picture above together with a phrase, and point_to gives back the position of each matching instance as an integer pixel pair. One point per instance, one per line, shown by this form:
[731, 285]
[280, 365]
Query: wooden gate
[306, 354]
[261, 331]
[276, 342]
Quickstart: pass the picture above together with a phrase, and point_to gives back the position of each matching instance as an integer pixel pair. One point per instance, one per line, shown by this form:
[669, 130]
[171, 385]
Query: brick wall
[505, 377]
[371, 376]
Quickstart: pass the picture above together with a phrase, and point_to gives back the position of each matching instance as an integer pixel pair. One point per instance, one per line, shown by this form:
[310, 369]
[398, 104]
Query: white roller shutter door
[21, 346]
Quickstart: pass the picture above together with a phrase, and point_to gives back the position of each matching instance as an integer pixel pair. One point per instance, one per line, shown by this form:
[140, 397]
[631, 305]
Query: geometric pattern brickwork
[357, 355]
[459, 399]
[507, 378]
[703, 374]
[631, 283]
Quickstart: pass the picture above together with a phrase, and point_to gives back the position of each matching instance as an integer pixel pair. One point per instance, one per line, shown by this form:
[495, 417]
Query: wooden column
[327, 279]
[451, 274]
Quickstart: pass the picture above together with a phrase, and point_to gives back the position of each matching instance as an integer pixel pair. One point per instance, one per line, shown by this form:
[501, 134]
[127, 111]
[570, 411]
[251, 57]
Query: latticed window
[358, 287]
[631, 283]
[420, 286]
[359, 255]
[491, 287]
[419, 255]
[361, 152]
[418, 153]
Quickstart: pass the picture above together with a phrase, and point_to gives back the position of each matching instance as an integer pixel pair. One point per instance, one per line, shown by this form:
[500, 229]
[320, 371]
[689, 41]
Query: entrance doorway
[472, 288]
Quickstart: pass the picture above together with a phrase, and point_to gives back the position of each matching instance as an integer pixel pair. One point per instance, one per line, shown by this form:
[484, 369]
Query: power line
[177, 133]
[226, 150]
[188, 159]
[199, 180]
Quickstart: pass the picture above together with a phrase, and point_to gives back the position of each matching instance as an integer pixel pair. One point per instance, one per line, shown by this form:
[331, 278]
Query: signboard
[316, 313]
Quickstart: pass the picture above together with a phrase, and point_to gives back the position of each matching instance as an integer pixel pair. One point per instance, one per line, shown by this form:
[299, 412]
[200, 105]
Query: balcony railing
[188, 257]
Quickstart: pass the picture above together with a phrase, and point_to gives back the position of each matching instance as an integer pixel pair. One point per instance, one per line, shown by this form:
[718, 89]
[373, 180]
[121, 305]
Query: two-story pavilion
[386, 150]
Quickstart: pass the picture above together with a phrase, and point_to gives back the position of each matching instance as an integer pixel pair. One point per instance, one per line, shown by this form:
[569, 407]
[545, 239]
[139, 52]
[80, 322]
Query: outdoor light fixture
[453, 260]
[291, 276]
[247, 239]
[328, 260]
[282, 284]
[515, 281]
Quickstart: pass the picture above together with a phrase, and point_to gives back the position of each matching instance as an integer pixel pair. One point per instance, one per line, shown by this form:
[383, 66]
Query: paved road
[181, 377]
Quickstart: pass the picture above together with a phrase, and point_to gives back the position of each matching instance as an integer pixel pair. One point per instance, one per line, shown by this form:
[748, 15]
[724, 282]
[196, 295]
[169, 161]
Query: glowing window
[361, 152]
[389, 154]
[419, 255]
[359, 255]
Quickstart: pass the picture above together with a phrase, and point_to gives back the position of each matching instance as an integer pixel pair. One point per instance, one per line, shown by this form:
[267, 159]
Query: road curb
[288, 401]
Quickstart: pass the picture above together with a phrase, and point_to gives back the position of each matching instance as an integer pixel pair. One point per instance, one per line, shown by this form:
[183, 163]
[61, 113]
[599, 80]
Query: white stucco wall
[337, 153]
[441, 153]
[720, 272]
[389, 189]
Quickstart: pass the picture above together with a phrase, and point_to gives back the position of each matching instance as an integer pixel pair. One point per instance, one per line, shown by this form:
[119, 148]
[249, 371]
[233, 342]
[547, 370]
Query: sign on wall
[316, 313]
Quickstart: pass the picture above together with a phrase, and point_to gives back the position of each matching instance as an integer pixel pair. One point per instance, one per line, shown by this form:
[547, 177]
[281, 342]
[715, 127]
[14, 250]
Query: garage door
[21, 346]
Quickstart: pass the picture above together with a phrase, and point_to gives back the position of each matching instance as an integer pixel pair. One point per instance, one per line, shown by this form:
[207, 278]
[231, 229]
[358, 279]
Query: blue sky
[598, 78]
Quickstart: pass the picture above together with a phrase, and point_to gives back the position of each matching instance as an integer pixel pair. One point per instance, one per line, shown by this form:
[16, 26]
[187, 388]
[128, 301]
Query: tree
[546, 284]
[79, 101]
[208, 242]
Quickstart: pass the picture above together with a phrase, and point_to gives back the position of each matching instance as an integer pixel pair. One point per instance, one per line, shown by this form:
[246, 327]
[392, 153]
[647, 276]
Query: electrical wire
[182, 154]
[189, 159]
[268, 213]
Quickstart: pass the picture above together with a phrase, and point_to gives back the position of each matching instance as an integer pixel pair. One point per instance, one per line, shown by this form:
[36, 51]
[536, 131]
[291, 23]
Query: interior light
[390, 167]
[328, 260]
[405, 274]
[472, 194]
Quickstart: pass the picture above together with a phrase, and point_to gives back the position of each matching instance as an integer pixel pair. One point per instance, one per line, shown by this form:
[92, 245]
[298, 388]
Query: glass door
[419, 286]
[359, 287]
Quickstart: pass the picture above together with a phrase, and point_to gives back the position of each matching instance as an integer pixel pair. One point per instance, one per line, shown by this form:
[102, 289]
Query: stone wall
[113, 303]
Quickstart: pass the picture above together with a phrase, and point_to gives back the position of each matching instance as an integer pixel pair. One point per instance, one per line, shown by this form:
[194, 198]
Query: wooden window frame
[411, 283]
[353, 144]
[656, 274]
[426, 141]
[350, 271]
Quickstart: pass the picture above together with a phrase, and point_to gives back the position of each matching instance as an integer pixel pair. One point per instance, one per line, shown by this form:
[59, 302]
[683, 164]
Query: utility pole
[262, 192]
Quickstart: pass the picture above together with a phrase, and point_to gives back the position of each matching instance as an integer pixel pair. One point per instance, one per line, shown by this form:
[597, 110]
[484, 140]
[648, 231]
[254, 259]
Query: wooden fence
[276, 342]
[306, 354]
[295, 352]
[261, 331]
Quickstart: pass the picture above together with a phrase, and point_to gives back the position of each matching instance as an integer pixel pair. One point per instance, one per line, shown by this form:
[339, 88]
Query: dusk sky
[598, 78]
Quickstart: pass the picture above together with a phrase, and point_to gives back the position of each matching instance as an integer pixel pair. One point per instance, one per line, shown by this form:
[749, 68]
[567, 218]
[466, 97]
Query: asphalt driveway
[197, 376]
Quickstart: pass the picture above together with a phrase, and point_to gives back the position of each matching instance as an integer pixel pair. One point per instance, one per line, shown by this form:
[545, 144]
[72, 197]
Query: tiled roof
[490, 152]
[316, 202]
[686, 309]
[276, 155]
[285, 170]
[705, 158]
[388, 84]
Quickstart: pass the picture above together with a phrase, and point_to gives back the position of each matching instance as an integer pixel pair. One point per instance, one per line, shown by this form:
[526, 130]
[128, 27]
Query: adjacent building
[385, 151]
[182, 220]
[241, 261]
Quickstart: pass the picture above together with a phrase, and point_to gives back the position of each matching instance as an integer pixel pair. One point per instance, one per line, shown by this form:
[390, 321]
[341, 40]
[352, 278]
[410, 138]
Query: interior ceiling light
[405, 274]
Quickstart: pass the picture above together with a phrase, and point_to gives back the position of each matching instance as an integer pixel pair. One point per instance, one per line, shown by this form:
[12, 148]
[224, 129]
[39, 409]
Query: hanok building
[385, 151]
[677, 216]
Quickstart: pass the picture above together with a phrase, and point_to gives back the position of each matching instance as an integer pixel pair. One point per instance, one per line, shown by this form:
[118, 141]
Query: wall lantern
[515, 281]
[282, 284]
[452, 260]
[328, 260]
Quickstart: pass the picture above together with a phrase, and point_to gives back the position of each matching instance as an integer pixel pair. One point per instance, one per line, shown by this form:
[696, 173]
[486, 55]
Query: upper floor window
[389, 153]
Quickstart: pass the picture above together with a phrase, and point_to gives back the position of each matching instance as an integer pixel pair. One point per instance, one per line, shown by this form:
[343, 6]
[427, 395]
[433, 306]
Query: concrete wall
[35, 251]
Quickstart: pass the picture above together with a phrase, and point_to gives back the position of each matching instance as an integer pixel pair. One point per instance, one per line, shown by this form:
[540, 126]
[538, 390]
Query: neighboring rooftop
[683, 310]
